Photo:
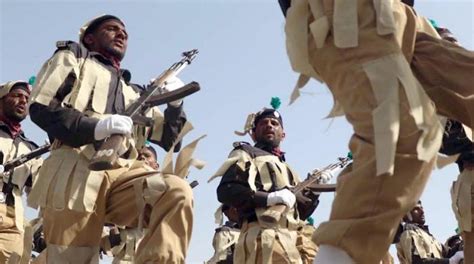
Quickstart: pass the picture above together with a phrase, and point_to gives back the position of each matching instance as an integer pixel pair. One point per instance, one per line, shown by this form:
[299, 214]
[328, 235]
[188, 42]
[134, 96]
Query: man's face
[109, 38]
[269, 131]
[14, 104]
[418, 215]
[146, 155]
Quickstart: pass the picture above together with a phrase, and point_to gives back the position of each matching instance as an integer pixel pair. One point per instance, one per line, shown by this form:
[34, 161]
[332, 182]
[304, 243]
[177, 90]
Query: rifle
[16, 162]
[313, 183]
[107, 154]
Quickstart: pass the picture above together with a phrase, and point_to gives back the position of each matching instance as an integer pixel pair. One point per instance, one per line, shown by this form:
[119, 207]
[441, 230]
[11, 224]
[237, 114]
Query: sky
[242, 64]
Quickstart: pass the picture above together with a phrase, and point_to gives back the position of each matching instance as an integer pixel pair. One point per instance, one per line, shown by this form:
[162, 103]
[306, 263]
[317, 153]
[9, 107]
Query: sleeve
[165, 132]
[55, 81]
[234, 189]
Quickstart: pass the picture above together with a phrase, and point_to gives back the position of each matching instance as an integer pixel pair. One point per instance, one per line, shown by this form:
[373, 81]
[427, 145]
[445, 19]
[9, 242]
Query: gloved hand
[114, 124]
[284, 196]
[325, 176]
[457, 257]
[171, 85]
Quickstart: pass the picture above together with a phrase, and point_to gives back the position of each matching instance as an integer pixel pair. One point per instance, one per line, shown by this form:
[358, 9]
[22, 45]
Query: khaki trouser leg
[367, 208]
[446, 71]
[468, 238]
[170, 225]
[11, 239]
[73, 237]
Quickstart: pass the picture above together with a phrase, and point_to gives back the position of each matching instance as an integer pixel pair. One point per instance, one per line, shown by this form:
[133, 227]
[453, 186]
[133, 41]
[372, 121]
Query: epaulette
[240, 144]
[77, 49]
[410, 227]
[64, 44]
[251, 150]
[222, 228]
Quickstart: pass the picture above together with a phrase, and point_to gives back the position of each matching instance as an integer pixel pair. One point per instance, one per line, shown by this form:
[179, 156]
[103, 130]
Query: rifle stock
[107, 156]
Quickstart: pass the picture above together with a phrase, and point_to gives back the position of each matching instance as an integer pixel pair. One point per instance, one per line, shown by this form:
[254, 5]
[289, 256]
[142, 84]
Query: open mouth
[20, 108]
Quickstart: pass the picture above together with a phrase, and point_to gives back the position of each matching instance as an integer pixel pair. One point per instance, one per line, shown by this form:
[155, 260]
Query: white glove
[171, 85]
[326, 176]
[284, 196]
[114, 124]
[456, 258]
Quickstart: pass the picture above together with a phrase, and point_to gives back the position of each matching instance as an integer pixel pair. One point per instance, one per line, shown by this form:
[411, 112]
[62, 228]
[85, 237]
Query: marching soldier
[79, 96]
[254, 180]
[377, 59]
[13, 143]
[417, 245]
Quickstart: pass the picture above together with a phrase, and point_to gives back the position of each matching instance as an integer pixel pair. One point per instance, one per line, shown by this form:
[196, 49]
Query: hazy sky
[241, 65]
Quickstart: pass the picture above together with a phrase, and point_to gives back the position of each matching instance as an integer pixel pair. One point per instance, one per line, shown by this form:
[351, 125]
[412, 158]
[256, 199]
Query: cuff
[260, 199]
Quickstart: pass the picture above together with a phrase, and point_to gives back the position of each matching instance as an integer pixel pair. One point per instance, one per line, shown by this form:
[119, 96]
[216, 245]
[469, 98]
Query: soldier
[13, 143]
[148, 154]
[226, 237]
[79, 96]
[377, 59]
[254, 180]
[456, 141]
[417, 245]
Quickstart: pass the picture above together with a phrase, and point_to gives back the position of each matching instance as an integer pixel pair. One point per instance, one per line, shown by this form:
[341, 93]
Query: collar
[274, 151]
[13, 130]
[106, 59]
[232, 224]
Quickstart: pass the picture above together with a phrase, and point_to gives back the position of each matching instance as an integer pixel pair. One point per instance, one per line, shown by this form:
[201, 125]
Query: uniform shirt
[234, 188]
[73, 127]
[12, 148]
[224, 242]
[13, 183]
[418, 246]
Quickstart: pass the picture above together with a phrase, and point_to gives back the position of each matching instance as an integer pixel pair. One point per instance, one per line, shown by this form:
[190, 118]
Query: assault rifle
[107, 154]
[16, 162]
[313, 183]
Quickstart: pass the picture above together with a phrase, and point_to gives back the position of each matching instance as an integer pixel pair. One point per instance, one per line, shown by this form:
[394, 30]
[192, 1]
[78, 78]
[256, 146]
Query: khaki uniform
[76, 201]
[124, 252]
[12, 222]
[306, 247]
[223, 243]
[362, 50]
[462, 194]
[261, 241]
[416, 241]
